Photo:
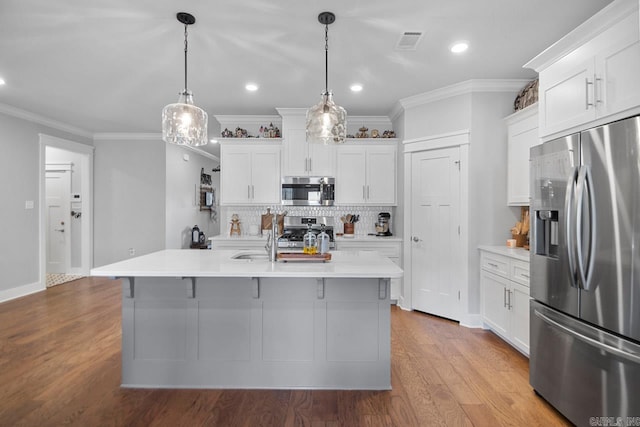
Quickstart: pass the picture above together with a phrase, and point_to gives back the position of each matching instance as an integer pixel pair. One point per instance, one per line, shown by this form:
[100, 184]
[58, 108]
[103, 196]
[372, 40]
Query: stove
[295, 227]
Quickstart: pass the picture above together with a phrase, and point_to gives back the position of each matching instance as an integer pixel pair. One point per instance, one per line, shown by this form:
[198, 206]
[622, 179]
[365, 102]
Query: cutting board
[300, 257]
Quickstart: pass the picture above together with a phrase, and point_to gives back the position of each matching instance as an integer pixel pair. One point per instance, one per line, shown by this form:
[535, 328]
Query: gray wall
[19, 174]
[129, 198]
[182, 179]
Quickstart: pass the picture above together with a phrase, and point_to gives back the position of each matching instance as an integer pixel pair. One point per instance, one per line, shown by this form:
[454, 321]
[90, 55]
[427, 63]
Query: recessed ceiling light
[2, 81]
[251, 87]
[356, 87]
[459, 47]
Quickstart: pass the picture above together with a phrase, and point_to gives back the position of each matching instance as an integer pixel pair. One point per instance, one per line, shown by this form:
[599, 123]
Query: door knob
[416, 239]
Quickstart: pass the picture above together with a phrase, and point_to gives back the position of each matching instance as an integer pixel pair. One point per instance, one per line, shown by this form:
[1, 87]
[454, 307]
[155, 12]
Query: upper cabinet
[522, 134]
[300, 158]
[591, 74]
[249, 173]
[366, 173]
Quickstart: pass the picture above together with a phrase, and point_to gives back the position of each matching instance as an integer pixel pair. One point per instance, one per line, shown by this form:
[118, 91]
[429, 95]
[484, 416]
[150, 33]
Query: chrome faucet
[272, 240]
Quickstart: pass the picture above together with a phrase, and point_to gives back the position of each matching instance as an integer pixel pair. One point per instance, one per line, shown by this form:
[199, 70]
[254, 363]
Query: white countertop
[356, 238]
[203, 263]
[517, 253]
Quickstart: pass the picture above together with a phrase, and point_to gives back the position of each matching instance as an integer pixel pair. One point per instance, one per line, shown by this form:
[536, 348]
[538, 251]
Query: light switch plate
[28, 204]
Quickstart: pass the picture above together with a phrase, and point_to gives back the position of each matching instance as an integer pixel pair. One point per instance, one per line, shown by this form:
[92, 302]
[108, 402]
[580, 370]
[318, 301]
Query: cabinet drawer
[520, 272]
[495, 264]
[391, 250]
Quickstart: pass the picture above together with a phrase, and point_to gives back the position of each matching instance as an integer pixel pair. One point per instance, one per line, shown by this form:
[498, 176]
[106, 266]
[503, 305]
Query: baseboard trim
[21, 291]
[471, 321]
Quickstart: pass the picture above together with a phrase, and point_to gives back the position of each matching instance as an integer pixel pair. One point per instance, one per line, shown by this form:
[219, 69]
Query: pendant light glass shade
[326, 121]
[184, 123]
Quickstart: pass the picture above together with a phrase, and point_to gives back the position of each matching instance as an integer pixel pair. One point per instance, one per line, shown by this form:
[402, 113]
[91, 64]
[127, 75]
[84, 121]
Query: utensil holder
[348, 228]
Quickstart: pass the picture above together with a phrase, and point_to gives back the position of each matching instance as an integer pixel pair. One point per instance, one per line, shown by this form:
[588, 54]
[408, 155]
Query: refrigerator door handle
[569, 225]
[633, 357]
[585, 184]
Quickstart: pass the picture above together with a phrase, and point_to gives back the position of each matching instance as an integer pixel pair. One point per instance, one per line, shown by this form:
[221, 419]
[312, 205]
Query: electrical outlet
[132, 251]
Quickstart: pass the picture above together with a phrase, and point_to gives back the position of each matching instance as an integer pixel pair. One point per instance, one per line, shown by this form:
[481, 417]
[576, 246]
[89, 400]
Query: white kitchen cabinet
[504, 282]
[522, 134]
[302, 158]
[366, 174]
[249, 173]
[389, 247]
[592, 73]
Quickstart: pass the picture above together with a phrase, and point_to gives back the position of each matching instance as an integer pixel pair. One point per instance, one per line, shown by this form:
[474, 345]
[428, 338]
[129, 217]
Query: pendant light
[184, 123]
[326, 121]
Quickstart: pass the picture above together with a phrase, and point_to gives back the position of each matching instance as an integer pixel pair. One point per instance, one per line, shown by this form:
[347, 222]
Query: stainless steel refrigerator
[585, 273]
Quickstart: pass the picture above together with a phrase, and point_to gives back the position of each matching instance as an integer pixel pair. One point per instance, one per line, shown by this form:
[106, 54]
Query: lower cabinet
[505, 298]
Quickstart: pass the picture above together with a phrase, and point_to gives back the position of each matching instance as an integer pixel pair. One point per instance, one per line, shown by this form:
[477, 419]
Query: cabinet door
[522, 136]
[322, 160]
[235, 175]
[618, 68]
[265, 175]
[296, 156]
[350, 175]
[566, 96]
[381, 175]
[519, 316]
[494, 302]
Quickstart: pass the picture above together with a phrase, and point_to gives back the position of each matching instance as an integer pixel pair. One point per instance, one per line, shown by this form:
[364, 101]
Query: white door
[435, 238]
[58, 189]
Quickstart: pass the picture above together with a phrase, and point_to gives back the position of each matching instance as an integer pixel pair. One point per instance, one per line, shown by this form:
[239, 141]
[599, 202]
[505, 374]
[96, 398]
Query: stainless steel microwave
[308, 190]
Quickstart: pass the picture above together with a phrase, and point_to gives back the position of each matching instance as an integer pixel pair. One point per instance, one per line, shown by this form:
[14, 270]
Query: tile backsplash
[251, 215]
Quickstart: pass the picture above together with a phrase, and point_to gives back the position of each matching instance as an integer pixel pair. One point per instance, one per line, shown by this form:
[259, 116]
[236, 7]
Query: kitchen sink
[251, 256]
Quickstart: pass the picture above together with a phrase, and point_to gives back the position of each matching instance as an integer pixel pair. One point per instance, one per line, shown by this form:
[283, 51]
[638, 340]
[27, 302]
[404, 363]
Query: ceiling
[111, 65]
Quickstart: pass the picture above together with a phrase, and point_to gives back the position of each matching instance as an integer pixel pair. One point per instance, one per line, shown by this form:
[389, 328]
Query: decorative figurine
[226, 133]
[375, 133]
[388, 134]
[362, 133]
[235, 225]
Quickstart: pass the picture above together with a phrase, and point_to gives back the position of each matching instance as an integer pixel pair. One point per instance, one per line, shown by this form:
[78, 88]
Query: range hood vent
[409, 40]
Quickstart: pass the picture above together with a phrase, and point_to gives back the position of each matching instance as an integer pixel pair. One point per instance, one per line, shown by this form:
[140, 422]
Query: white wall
[182, 178]
[19, 174]
[129, 198]
[489, 216]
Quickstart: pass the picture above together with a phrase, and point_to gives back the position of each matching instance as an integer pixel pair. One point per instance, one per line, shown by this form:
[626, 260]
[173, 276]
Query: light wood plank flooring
[60, 365]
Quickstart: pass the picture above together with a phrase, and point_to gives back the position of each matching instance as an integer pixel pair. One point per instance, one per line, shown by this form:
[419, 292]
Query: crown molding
[41, 120]
[292, 111]
[240, 119]
[601, 21]
[122, 136]
[464, 88]
[369, 120]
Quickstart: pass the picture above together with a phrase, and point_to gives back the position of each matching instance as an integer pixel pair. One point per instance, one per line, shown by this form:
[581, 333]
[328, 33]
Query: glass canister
[310, 242]
[323, 241]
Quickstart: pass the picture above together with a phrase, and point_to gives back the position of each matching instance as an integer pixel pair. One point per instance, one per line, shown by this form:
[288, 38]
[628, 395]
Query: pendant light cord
[185, 58]
[326, 58]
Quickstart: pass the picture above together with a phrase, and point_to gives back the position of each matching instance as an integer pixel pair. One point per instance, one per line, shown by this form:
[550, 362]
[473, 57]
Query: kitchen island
[230, 319]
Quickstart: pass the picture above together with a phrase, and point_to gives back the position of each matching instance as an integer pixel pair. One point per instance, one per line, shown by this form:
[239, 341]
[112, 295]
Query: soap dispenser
[323, 241]
[310, 244]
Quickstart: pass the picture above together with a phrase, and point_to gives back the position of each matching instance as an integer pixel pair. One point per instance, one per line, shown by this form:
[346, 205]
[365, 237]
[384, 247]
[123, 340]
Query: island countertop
[207, 263]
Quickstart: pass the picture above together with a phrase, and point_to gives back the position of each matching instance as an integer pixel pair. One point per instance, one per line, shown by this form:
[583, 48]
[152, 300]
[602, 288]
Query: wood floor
[60, 365]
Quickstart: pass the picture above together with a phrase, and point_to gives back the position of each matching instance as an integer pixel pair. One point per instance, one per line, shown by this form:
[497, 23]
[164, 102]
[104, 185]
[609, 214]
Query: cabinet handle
[526, 276]
[364, 197]
[504, 297]
[586, 93]
[310, 166]
[306, 163]
[253, 192]
[510, 306]
[597, 90]
[248, 191]
[367, 192]
[492, 265]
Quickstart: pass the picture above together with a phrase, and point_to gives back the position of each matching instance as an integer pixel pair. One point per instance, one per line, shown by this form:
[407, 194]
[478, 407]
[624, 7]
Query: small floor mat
[54, 279]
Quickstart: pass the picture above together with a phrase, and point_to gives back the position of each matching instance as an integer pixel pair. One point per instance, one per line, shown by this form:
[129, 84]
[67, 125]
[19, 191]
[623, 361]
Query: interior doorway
[65, 208]
[435, 230]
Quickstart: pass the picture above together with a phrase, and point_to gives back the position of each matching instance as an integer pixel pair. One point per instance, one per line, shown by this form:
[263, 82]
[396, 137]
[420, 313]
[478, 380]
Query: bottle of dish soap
[323, 241]
[310, 243]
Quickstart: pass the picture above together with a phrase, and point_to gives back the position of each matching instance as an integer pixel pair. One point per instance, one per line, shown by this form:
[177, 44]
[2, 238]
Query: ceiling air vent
[409, 40]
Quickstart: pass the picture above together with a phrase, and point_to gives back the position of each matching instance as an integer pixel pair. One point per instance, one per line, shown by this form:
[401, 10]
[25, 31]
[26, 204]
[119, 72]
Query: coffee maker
[383, 224]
